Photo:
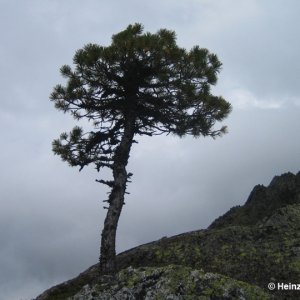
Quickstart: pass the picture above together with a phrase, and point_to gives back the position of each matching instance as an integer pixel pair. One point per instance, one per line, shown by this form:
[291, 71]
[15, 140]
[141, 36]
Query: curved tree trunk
[116, 201]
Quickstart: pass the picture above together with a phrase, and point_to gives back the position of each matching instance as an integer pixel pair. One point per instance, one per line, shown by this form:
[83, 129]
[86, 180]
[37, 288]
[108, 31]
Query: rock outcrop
[170, 282]
[250, 246]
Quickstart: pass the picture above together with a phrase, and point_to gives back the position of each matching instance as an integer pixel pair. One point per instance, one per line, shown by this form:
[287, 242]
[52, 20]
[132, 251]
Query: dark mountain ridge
[263, 202]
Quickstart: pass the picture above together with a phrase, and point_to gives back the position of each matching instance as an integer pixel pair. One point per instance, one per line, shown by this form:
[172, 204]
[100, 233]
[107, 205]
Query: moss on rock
[170, 282]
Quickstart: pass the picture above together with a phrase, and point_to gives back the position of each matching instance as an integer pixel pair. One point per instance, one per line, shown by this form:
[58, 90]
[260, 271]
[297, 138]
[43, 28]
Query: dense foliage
[145, 77]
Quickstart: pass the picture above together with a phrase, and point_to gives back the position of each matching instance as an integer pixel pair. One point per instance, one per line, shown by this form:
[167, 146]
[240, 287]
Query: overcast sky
[51, 215]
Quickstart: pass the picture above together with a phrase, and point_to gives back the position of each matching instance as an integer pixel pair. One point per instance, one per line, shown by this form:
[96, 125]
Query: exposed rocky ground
[172, 282]
[251, 245]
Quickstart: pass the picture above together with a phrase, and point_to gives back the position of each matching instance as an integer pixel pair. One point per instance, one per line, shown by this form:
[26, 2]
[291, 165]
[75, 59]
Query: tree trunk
[116, 201]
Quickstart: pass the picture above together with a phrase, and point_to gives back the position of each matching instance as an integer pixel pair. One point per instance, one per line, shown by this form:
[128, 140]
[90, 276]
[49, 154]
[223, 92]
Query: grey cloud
[51, 215]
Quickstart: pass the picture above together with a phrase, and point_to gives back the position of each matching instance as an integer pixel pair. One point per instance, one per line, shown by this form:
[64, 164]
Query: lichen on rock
[172, 282]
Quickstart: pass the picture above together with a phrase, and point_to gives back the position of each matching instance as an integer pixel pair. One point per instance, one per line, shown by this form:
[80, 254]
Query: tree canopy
[163, 87]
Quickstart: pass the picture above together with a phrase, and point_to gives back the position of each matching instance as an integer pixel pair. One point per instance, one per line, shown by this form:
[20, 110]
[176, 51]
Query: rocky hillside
[235, 258]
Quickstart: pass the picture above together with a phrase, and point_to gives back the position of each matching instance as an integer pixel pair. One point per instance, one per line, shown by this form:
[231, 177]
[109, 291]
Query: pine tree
[141, 84]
